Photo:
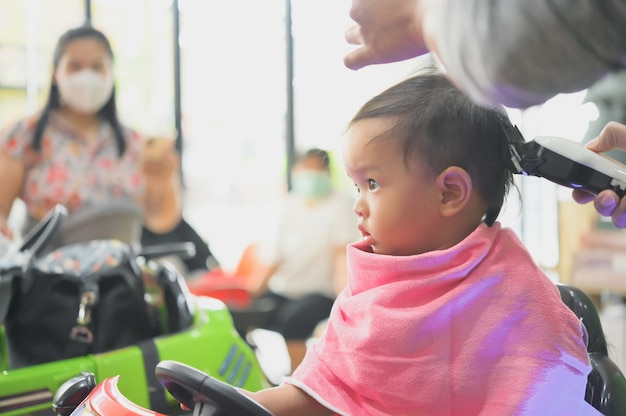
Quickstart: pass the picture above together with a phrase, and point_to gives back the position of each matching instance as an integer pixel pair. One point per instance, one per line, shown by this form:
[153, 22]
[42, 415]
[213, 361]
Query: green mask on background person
[311, 184]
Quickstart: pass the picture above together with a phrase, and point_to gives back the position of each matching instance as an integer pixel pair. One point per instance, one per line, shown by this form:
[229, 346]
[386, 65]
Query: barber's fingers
[606, 202]
[612, 136]
[353, 35]
[582, 197]
[359, 57]
[619, 214]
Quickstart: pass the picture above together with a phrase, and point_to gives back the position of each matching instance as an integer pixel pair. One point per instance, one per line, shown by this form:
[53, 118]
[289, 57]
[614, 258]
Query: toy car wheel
[194, 388]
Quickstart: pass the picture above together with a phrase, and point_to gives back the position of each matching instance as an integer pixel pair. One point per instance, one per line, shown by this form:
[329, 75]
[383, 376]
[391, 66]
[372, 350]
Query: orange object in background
[231, 288]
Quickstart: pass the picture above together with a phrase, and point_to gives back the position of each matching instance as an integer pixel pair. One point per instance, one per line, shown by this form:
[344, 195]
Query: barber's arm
[518, 53]
[521, 53]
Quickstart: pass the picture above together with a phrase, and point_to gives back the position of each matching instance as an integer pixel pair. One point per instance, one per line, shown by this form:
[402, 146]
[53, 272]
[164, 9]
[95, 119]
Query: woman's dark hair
[437, 124]
[315, 153]
[108, 112]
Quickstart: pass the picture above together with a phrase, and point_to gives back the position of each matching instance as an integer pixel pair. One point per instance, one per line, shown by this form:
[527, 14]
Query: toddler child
[445, 312]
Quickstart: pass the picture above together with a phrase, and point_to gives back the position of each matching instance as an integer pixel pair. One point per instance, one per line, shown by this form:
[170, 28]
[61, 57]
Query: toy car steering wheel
[192, 387]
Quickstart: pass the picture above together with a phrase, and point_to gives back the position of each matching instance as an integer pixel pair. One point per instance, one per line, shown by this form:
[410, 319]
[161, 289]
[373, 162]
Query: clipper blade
[515, 148]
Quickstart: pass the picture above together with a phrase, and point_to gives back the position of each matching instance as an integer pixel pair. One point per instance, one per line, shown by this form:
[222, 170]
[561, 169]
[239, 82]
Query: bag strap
[81, 336]
[156, 391]
[6, 292]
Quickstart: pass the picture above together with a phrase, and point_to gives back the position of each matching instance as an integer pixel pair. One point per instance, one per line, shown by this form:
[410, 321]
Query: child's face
[397, 208]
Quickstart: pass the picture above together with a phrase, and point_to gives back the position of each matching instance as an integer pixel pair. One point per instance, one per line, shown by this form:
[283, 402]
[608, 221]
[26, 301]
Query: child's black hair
[438, 125]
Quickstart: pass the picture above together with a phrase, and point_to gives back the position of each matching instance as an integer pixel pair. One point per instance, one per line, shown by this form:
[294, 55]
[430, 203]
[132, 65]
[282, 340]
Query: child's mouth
[364, 234]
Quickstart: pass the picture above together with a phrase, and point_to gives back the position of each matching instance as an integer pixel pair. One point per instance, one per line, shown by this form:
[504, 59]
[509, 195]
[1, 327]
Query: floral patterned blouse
[70, 171]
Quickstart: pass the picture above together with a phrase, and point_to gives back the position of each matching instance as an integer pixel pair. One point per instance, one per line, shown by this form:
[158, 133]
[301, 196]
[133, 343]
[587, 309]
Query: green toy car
[194, 330]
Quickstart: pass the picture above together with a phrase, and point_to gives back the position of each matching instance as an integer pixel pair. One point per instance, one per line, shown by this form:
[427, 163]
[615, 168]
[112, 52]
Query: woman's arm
[12, 172]
[162, 199]
[259, 284]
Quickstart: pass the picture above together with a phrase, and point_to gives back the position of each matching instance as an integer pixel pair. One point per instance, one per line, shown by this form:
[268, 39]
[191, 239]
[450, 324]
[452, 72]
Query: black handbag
[76, 300]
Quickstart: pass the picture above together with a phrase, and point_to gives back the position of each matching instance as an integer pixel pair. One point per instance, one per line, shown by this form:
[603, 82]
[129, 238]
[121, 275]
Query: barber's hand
[386, 31]
[607, 203]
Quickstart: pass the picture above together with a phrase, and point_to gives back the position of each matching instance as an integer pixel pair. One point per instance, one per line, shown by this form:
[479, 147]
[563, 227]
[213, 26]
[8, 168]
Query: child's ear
[455, 188]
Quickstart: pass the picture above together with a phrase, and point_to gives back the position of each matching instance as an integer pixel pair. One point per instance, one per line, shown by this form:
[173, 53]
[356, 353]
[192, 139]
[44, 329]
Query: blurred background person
[307, 256]
[75, 151]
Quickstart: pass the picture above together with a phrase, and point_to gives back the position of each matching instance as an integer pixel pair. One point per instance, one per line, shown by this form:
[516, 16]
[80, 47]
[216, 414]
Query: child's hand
[240, 390]
[244, 392]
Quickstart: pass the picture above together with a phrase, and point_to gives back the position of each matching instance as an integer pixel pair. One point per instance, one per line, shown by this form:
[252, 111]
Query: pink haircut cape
[477, 329]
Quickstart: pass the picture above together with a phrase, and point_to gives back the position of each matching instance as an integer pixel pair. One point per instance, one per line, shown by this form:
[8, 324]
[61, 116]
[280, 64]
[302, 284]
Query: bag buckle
[87, 300]
[81, 334]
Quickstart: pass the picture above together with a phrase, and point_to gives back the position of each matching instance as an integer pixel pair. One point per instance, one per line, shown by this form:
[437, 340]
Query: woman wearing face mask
[307, 256]
[75, 151]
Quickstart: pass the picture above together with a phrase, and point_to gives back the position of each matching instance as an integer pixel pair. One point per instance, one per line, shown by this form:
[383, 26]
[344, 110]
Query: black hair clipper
[564, 162]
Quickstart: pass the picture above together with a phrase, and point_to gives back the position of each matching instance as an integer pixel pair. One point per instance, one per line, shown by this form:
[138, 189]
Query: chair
[606, 384]
[180, 314]
[115, 219]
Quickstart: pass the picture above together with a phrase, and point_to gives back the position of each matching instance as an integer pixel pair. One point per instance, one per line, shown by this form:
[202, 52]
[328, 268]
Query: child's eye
[372, 184]
[358, 190]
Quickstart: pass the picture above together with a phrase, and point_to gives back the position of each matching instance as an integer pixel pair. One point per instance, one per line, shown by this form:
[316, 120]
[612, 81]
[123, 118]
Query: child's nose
[359, 207]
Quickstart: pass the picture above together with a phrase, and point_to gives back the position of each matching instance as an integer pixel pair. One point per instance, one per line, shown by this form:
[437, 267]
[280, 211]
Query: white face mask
[85, 91]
